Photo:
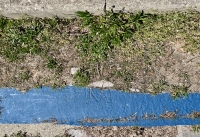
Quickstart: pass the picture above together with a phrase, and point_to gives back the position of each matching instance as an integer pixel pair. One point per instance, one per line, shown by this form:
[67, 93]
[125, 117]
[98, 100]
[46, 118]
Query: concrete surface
[184, 131]
[43, 8]
[45, 130]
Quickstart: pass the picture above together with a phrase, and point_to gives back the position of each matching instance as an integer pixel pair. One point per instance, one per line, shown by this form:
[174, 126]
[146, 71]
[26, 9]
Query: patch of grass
[124, 48]
[159, 86]
[106, 32]
[196, 128]
[29, 35]
[52, 63]
[20, 38]
[138, 36]
[81, 78]
[180, 91]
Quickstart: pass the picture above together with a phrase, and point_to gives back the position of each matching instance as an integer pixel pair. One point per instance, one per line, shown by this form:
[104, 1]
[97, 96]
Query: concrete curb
[67, 8]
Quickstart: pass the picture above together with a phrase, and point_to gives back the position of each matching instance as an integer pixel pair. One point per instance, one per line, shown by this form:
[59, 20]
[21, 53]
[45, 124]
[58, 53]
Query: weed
[196, 128]
[81, 78]
[160, 86]
[180, 91]
[52, 63]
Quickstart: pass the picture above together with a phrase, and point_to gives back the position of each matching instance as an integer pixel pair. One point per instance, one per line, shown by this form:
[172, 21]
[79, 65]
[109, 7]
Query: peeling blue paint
[90, 107]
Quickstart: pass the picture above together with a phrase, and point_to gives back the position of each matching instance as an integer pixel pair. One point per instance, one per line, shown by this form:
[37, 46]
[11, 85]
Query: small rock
[101, 84]
[134, 90]
[74, 70]
[77, 133]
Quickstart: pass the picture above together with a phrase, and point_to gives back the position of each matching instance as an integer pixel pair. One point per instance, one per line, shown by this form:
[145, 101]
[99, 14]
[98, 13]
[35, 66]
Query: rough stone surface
[101, 84]
[55, 130]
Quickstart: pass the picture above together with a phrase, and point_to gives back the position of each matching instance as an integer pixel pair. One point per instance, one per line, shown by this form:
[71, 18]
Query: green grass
[107, 32]
[159, 86]
[81, 78]
[28, 35]
[196, 128]
[180, 91]
[141, 35]
[131, 41]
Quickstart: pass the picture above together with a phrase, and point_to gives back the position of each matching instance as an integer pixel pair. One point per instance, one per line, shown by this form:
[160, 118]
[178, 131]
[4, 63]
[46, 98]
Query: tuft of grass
[160, 86]
[81, 78]
[52, 63]
[196, 128]
[180, 91]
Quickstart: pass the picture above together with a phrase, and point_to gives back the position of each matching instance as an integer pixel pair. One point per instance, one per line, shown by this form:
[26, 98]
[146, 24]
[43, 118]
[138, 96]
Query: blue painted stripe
[84, 106]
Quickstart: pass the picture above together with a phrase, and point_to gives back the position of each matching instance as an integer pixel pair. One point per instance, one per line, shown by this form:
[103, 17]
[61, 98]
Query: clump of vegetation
[29, 35]
[106, 32]
[128, 49]
[81, 78]
[139, 40]
[159, 87]
[180, 91]
[196, 128]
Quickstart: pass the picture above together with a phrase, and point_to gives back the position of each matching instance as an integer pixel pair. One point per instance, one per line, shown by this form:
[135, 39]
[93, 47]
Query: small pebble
[74, 70]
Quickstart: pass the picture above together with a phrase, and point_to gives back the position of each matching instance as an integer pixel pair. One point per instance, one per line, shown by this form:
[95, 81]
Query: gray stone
[101, 84]
[74, 70]
[134, 90]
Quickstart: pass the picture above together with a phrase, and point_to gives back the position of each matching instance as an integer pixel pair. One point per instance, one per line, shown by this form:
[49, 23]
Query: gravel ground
[52, 130]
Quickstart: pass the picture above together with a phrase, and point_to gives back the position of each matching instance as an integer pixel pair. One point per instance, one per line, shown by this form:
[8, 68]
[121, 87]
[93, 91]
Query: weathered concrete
[184, 131]
[41, 8]
[45, 129]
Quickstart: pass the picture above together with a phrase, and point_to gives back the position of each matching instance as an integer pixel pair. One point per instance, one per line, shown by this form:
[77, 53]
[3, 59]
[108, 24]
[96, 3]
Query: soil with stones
[105, 132]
